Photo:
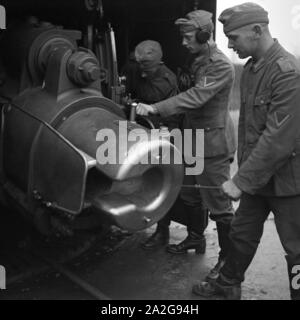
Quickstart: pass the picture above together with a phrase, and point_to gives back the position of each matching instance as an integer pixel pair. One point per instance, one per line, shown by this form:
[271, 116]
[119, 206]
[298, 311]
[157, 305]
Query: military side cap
[199, 19]
[148, 50]
[243, 15]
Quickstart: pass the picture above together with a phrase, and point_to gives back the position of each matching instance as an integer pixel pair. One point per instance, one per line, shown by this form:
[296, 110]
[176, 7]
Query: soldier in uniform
[156, 81]
[268, 178]
[204, 106]
[149, 80]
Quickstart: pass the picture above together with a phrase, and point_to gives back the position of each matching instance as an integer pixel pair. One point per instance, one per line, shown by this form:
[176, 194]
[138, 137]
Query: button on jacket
[205, 104]
[269, 126]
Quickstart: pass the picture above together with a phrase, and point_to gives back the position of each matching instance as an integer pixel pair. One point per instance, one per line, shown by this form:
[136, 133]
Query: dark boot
[231, 275]
[230, 291]
[223, 230]
[294, 284]
[197, 218]
[215, 271]
[197, 222]
[192, 241]
[158, 239]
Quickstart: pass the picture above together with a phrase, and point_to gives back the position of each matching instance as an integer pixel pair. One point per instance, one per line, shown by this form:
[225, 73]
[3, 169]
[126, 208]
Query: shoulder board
[167, 75]
[214, 57]
[285, 65]
[218, 58]
[217, 55]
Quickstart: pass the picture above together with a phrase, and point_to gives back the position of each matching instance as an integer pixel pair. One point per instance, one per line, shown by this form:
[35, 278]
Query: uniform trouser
[216, 172]
[247, 230]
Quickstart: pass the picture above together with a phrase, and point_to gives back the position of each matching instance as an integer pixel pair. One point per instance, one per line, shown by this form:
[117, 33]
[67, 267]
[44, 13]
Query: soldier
[149, 80]
[268, 178]
[156, 81]
[152, 82]
[204, 106]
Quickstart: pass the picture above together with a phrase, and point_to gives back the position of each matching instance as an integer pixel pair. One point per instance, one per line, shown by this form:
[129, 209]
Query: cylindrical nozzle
[132, 116]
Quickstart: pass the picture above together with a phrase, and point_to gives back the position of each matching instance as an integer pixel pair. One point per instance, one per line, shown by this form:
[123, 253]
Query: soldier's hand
[144, 109]
[231, 190]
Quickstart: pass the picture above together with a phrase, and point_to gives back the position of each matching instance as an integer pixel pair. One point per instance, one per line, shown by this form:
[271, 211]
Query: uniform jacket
[161, 85]
[269, 125]
[205, 104]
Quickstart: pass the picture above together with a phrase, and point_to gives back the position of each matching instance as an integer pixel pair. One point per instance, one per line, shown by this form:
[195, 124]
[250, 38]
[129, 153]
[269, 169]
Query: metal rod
[133, 112]
[199, 186]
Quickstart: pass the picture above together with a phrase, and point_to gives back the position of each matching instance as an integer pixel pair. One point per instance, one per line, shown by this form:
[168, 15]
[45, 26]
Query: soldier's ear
[257, 29]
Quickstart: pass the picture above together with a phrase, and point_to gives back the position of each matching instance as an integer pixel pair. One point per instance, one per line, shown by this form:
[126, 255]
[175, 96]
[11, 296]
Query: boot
[230, 291]
[158, 239]
[192, 241]
[231, 275]
[294, 279]
[223, 230]
[197, 222]
[215, 271]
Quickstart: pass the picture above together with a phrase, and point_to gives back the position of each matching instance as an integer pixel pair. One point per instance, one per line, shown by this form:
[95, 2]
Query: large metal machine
[53, 109]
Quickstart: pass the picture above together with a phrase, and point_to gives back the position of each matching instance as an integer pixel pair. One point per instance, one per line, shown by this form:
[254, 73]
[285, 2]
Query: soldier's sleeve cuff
[162, 111]
[242, 184]
[155, 109]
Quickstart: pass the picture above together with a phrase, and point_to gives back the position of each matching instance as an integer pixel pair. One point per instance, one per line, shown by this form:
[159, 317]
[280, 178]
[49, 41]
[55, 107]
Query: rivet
[147, 220]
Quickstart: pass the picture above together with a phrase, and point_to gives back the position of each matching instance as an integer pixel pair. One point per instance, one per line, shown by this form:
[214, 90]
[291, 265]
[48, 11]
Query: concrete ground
[130, 273]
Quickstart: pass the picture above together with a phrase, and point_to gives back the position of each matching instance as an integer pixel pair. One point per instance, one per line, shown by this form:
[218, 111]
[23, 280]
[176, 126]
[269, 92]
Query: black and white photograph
[149, 152]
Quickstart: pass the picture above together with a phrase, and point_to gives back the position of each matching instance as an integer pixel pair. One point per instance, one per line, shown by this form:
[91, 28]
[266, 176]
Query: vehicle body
[59, 86]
